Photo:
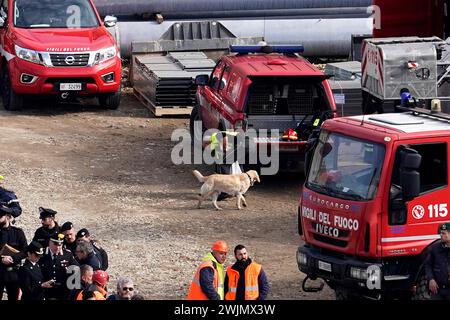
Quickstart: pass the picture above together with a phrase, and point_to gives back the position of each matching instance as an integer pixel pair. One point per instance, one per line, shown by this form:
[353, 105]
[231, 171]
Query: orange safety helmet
[100, 277]
[220, 246]
[290, 134]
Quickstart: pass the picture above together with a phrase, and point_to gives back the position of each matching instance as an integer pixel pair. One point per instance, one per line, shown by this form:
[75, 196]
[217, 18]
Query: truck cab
[265, 88]
[57, 48]
[373, 199]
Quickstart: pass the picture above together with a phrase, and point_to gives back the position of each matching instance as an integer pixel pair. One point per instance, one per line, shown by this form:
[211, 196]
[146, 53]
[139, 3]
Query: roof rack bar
[416, 110]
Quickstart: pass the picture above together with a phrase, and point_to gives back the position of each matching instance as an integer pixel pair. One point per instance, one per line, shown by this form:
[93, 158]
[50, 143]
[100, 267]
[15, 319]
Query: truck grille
[333, 242]
[69, 60]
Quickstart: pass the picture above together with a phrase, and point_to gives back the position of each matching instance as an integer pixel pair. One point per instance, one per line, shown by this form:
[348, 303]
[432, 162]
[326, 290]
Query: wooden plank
[161, 111]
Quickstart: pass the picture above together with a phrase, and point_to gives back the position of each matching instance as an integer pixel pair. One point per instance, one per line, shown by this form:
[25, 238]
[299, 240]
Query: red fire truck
[265, 87]
[375, 194]
[57, 48]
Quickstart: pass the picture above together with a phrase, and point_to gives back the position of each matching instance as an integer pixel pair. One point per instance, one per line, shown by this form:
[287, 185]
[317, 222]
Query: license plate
[70, 86]
[266, 140]
[325, 266]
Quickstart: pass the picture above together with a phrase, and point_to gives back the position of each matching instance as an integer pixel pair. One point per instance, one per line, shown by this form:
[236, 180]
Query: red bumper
[49, 78]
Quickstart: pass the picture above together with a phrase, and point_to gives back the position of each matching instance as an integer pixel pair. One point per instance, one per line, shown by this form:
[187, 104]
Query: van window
[54, 14]
[4, 9]
[216, 75]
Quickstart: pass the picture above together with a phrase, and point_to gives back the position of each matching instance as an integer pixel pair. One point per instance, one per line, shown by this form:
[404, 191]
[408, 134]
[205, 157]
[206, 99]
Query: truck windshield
[54, 14]
[345, 167]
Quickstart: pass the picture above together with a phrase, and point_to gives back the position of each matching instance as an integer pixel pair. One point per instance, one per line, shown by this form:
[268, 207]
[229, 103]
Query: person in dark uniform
[31, 279]
[437, 265]
[49, 226]
[70, 239]
[9, 199]
[12, 245]
[85, 255]
[54, 266]
[101, 254]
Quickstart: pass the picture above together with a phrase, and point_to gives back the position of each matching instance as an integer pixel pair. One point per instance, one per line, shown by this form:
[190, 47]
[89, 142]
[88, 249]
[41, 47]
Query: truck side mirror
[110, 21]
[2, 22]
[410, 177]
[202, 80]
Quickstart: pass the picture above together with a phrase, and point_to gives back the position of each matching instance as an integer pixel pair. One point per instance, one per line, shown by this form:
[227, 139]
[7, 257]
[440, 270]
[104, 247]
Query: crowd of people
[60, 263]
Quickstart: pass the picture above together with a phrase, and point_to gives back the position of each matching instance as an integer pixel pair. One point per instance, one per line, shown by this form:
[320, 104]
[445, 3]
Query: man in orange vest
[208, 282]
[245, 280]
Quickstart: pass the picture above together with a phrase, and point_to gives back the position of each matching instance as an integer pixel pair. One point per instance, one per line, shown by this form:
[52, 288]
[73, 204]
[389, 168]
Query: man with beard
[245, 280]
[49, 226]
[70, 239]
[12, 245]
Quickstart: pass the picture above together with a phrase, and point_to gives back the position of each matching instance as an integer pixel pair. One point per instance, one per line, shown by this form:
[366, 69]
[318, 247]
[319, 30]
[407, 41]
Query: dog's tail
[199, 176]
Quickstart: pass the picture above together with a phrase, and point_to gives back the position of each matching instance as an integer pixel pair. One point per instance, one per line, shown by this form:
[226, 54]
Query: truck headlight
[105, 55]
[302, 258]
[358, 273]
[28, 55]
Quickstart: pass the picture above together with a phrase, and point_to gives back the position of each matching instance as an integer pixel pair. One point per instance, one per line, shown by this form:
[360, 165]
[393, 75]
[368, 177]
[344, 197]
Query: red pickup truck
[265, 88]
[59, 48]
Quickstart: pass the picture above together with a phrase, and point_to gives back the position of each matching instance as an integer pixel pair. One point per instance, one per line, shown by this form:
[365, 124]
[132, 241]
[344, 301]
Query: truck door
[211, 107]
[412, 225]
[3, 15]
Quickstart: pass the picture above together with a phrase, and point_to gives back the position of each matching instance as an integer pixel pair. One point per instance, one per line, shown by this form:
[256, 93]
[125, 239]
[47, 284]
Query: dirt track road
[111, 172]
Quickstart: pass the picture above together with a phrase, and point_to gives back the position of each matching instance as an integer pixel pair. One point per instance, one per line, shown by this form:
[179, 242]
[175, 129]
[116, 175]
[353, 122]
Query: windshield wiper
[323, 189]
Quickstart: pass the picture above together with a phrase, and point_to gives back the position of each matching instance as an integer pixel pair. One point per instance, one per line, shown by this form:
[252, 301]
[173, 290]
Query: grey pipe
[166, 7]
[321, 37]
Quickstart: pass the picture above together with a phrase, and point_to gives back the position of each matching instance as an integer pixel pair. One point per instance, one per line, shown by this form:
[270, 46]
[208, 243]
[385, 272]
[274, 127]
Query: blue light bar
[285, 49]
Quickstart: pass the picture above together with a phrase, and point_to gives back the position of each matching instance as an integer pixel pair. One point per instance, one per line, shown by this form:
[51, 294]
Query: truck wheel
[422, 292]
[195, 131]
[110, 100]
[11, 101]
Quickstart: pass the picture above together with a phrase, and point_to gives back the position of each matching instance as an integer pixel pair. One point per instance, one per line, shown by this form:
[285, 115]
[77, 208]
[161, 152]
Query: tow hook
[64, 95]
[311, 289]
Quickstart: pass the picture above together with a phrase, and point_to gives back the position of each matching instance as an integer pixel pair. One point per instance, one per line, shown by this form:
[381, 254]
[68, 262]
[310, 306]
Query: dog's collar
[250, 178]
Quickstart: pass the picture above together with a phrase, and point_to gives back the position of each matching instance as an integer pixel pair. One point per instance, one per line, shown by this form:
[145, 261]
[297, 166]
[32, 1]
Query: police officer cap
[445, 226]
[44, 213]
[66, 226]
[4, 210]
[83, 233]
[57, 237]
[35, 247]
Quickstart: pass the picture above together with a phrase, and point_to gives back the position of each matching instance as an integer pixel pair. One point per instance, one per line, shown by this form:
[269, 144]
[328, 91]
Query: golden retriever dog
[233, 184]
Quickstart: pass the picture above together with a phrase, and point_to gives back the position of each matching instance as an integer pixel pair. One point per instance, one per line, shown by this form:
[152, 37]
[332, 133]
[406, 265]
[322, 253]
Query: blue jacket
[437, 264]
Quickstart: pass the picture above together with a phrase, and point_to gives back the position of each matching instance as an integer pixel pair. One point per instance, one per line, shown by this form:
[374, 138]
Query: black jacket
[93, 261]
[57, 270]
[30, 281]
[42, 235]
[263, 283]
[101, 255]
[14, 237]
[437, 264]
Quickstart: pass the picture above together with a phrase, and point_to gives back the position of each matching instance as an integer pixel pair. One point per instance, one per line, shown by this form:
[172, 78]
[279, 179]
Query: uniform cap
[100, 277]
[4, 210]
[83, 233]
[443, 227]
[44, 213]
[35, 247]
[66, 226]
[220, 246]
[57, 237]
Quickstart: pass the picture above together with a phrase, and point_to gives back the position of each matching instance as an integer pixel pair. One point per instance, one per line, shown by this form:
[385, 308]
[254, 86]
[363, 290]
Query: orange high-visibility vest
[195, 291]
[97, 295]
[251, 282]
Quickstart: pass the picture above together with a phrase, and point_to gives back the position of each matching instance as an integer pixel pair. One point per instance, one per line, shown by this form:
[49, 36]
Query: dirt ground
[111, 172]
